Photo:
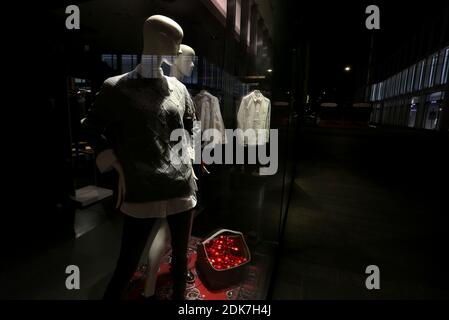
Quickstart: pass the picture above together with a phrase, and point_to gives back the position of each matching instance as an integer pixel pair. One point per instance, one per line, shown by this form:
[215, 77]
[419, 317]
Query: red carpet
[247, 290]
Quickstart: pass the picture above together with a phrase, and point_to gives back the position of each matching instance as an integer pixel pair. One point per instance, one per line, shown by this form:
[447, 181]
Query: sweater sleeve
[99, 125]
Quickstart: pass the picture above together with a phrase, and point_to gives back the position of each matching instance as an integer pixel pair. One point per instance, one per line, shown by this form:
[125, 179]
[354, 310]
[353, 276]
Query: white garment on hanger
[255, 113]
[208, 112]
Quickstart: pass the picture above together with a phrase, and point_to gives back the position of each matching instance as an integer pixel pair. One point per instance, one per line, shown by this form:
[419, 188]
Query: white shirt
[208, 112]
[255, 113]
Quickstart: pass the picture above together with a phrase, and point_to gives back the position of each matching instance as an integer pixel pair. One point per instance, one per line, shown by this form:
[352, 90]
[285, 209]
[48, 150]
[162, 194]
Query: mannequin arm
[102, 118]
[99, 123]
[105, 160]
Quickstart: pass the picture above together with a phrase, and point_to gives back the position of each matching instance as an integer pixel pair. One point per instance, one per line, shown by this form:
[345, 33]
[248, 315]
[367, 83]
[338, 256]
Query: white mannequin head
[183, 64]
[162, 38]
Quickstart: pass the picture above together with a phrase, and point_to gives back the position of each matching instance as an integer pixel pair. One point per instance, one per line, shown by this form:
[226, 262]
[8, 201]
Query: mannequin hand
[121, 190]
[194, 175]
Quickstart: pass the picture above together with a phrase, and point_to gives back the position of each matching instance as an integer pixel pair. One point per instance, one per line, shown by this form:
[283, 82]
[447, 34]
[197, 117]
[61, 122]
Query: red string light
[227, 251]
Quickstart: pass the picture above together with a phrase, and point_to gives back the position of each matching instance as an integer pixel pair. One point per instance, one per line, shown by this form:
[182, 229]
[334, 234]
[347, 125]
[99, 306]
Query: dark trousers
[134, 238]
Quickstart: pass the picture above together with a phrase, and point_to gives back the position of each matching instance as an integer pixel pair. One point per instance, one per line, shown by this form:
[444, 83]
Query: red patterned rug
[249, 289]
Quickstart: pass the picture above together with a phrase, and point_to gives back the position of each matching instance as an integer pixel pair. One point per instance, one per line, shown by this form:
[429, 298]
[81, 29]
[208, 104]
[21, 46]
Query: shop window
[432, 111]
[388, 89]
[413, 110]
[404, 80]
[221, 5]
[393, 86]
[433, 65]
[389, 85]
[419, 75]
[439, 67]
[397, 83]
[380, 91]
[110, 60]
[238, 16]
[372, 92]
[411, 78]
[445, 68]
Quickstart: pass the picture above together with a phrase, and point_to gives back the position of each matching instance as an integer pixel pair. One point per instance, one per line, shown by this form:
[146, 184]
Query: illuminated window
[432, 70]
[411, 78]
[238, 16]
[373, 92]
[397, 80]
[379, 91]
[419, 75]
[445, 67]
[129, 62]
[110, 60]
[404, 80]
[221, 5]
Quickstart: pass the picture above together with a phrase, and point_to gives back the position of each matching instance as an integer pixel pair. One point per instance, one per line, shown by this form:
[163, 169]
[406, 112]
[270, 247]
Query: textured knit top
[135, 116]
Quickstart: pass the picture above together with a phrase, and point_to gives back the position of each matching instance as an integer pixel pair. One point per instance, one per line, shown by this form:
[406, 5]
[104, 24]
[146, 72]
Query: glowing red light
[227, 250]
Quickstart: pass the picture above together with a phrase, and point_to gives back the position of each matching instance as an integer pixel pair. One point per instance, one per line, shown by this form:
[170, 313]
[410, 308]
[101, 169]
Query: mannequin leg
[155, 254]
[134, 238]
[180, 227]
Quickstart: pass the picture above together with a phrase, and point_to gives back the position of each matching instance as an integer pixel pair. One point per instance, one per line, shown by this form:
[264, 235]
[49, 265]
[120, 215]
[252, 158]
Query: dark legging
[134, 238]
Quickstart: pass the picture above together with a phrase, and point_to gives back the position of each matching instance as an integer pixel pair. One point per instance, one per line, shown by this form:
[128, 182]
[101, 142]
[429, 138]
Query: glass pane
[127, 63]
[432, 70]
[445, 67]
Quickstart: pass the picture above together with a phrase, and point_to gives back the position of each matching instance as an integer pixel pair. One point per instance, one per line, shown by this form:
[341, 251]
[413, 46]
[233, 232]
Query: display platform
[253, 287]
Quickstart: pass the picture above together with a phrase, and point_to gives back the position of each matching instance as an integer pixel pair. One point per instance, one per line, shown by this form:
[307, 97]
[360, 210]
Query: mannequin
[162, 38]
[183, 64]
[160, 239]
[139, 149]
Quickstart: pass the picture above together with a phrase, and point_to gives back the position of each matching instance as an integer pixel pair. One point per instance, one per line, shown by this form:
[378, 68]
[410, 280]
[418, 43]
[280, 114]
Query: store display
[143, 126]
[142, 108]
[119, 93]
[254, 113]
[251, 287]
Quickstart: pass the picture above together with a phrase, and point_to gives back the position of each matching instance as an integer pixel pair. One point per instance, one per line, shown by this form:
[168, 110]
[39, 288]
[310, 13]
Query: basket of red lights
[222, 259]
